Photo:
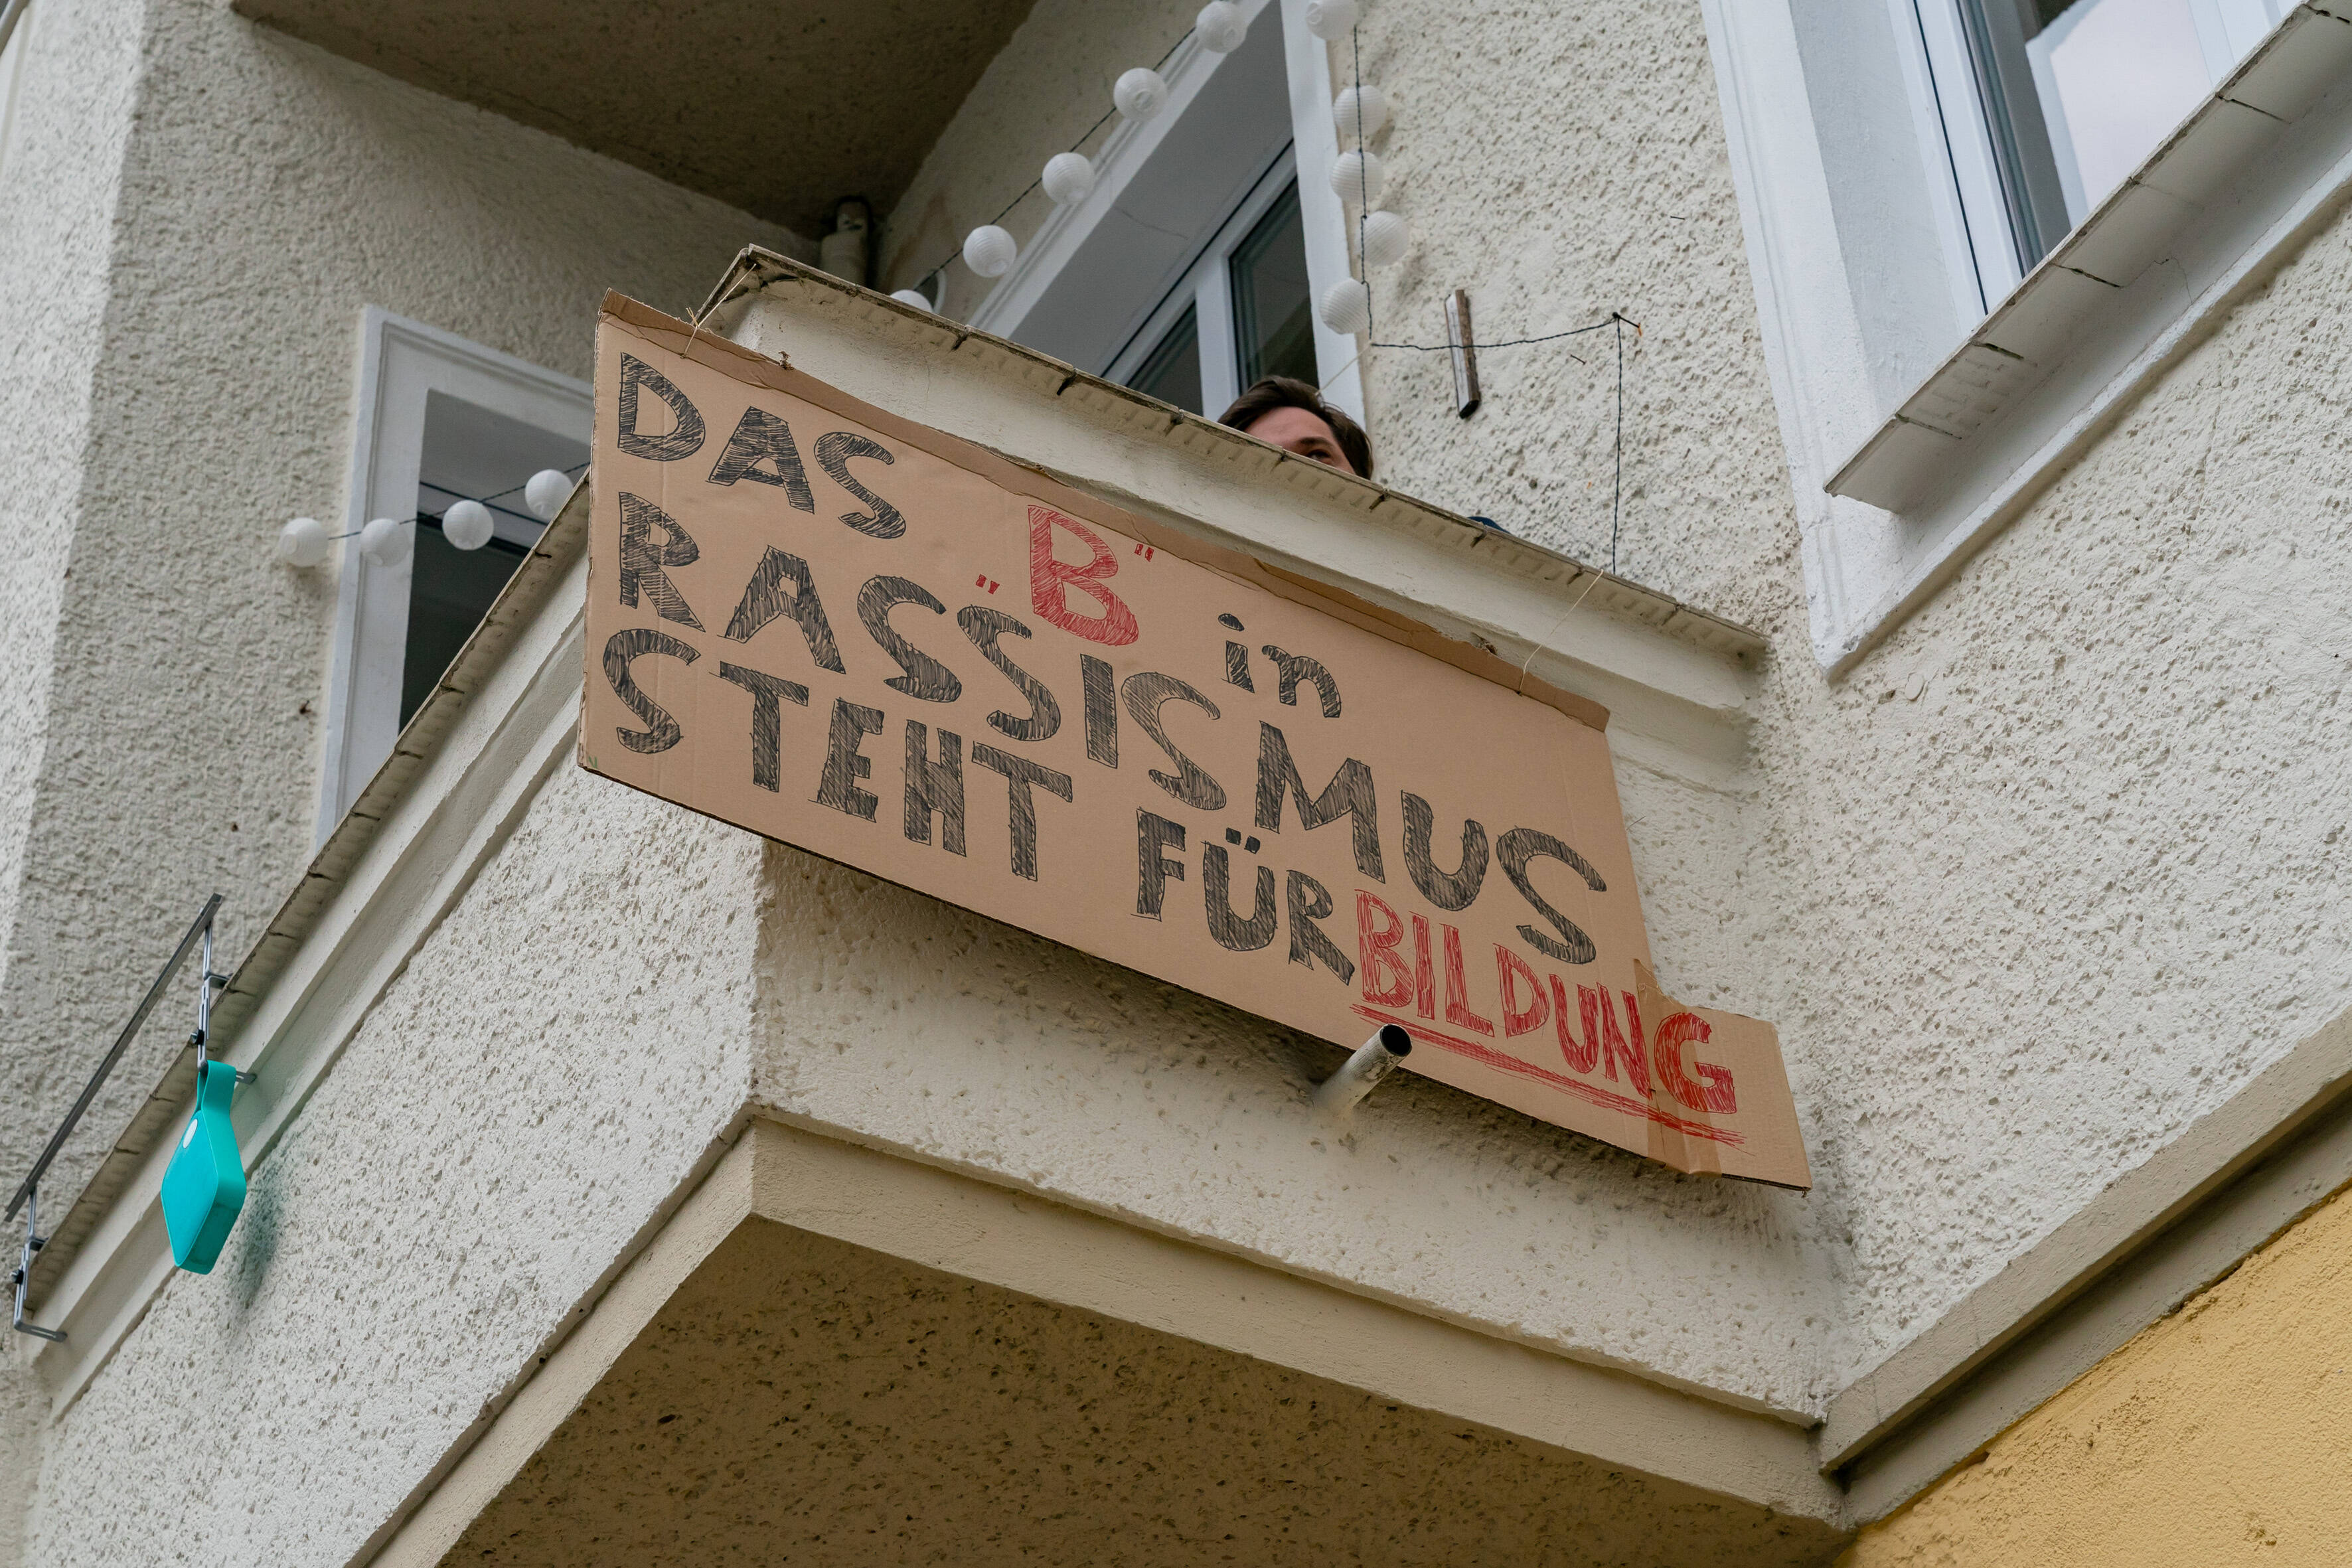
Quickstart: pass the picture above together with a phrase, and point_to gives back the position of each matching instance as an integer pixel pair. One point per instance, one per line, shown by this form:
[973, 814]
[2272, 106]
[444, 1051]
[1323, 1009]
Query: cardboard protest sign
[857, 635]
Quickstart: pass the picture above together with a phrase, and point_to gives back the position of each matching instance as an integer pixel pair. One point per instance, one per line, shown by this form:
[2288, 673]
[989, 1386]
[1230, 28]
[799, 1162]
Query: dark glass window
[1274, 324]
[1172, 372]
[469, 451]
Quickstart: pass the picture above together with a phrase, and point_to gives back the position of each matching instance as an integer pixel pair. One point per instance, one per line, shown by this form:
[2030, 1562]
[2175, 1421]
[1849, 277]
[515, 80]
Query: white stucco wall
[552, 1067]
[890, 1016]
[207, 333]
[2049, 874]
[58, 181]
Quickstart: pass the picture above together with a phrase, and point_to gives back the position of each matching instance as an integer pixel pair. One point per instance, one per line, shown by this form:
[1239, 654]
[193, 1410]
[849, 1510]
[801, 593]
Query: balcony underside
[778, 109]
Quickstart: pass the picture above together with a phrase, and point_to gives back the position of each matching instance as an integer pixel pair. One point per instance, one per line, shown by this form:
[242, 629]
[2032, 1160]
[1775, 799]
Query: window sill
[2254, 174]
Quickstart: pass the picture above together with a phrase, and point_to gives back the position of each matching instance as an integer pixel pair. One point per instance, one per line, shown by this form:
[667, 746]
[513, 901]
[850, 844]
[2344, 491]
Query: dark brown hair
[1288, 392]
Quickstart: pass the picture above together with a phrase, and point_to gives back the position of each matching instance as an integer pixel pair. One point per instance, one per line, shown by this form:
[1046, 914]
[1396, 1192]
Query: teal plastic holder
[204, 1186]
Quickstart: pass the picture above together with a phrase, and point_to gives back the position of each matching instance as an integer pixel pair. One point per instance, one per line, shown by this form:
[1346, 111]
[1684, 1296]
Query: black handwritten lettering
[1154, 833]
[1452, 889]
[643, 561]
[1228, 929]
[685, 436]
[1290, 669]
[624, 647]
[765, 598]
[934, 787]
[1349, 791]
[768, 696]
[763, 438]
[1309, 901]
[1517, 847]
[845, 764]
[834, 451]
[985, 626]
[1021, 775]
[1237, 669]
[1145, 693]
[925, 677]
[1102, 710]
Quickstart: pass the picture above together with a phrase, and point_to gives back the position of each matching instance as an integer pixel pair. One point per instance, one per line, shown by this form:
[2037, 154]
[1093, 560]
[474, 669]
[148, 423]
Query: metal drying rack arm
[28, 1195]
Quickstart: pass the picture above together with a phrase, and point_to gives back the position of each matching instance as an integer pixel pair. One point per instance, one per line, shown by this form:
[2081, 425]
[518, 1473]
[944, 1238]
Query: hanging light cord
[1086, 137]
[572, 472]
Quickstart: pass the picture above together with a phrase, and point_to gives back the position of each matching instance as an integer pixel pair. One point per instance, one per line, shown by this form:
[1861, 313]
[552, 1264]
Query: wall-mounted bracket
[1462, 349]
[34, 1242]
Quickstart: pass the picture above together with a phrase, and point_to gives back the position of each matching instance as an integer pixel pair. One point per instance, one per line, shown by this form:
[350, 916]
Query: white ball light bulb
[546, 492]
[302, 542]
[1359, 113]
[989, 251]
[1346, 307]
[385, 541]
[911, 297]
[1139, 93]
[1221, 27]
[1069, 177]
[467, 525]
[1357, 177]
[1329, 19]
[1384, 237]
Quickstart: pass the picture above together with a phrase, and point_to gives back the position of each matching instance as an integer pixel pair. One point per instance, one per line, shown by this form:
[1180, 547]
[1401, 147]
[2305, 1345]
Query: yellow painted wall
[2221, 1435]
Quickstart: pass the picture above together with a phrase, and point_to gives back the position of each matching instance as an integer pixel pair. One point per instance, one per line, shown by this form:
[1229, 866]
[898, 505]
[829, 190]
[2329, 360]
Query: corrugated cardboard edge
[918, 330]
[732, 359]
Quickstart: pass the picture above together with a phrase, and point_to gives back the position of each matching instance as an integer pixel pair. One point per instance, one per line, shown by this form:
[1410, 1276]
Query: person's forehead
[1290, 423]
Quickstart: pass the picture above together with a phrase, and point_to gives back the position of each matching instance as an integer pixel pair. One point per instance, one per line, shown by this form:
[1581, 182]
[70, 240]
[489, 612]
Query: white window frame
[1206, 289]
[1956, 124]
[1314, 139]
[2019, 393]
[402, 364]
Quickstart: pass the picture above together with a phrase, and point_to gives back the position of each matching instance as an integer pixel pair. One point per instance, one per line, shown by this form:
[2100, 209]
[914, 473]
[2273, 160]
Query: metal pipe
[201, 929]
[1372, 1061]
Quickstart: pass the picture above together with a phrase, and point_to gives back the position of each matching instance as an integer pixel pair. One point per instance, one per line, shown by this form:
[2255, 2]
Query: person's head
[1293, 416]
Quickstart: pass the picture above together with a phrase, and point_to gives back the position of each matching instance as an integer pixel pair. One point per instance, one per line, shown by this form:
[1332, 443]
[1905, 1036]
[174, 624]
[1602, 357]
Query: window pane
[447, 597]
[469, 451]
[1273, 324]
[2115, 77]
[2077, 96]
[1172, 372]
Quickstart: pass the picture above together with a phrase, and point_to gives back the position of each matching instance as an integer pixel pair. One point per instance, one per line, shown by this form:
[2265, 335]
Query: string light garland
[1068, 176]
[468, 523]
[1383, 237]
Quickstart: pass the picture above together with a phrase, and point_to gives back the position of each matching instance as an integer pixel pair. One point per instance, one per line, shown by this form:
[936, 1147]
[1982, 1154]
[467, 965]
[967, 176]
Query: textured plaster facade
[2205, 1440]
[906, 1415]
[2051, 873]
[2048, 876]
[209, 206]
[892, 1017]
[520, 1107]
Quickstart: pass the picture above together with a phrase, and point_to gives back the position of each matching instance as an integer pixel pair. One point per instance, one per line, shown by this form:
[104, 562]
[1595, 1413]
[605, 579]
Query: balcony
[778, 110]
